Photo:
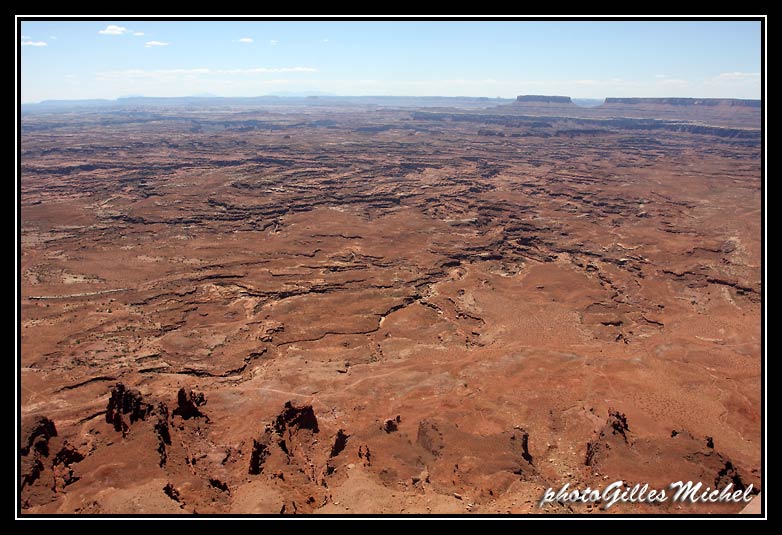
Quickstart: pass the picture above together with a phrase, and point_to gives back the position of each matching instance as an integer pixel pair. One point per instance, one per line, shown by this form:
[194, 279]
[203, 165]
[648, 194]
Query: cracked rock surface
[382, 310]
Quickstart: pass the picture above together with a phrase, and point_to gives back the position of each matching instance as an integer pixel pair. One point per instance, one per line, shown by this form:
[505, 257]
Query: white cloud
[113, 29]
[25, 37]
[138, 34]
[737, 77]
[34, 43]
[150, 44]
[246, 40]
[53, 37]
[274, 42]
[325, 40]
[732, 84]
[260, 70]
[170, 74]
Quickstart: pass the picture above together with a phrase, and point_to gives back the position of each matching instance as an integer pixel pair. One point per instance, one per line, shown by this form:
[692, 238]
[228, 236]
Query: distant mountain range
[309, 98]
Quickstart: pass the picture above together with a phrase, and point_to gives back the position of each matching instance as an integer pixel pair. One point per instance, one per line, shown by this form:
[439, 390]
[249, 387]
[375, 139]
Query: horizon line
[327, 95]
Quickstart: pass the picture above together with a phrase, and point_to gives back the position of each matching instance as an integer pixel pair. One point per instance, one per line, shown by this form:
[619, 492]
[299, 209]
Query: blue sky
[110, 59]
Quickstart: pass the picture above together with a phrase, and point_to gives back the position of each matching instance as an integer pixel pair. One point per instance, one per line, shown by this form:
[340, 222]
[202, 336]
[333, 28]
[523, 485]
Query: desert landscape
[400, 306]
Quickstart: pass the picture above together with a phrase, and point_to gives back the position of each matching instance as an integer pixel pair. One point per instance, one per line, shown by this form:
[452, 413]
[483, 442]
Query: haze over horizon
[587, 59]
